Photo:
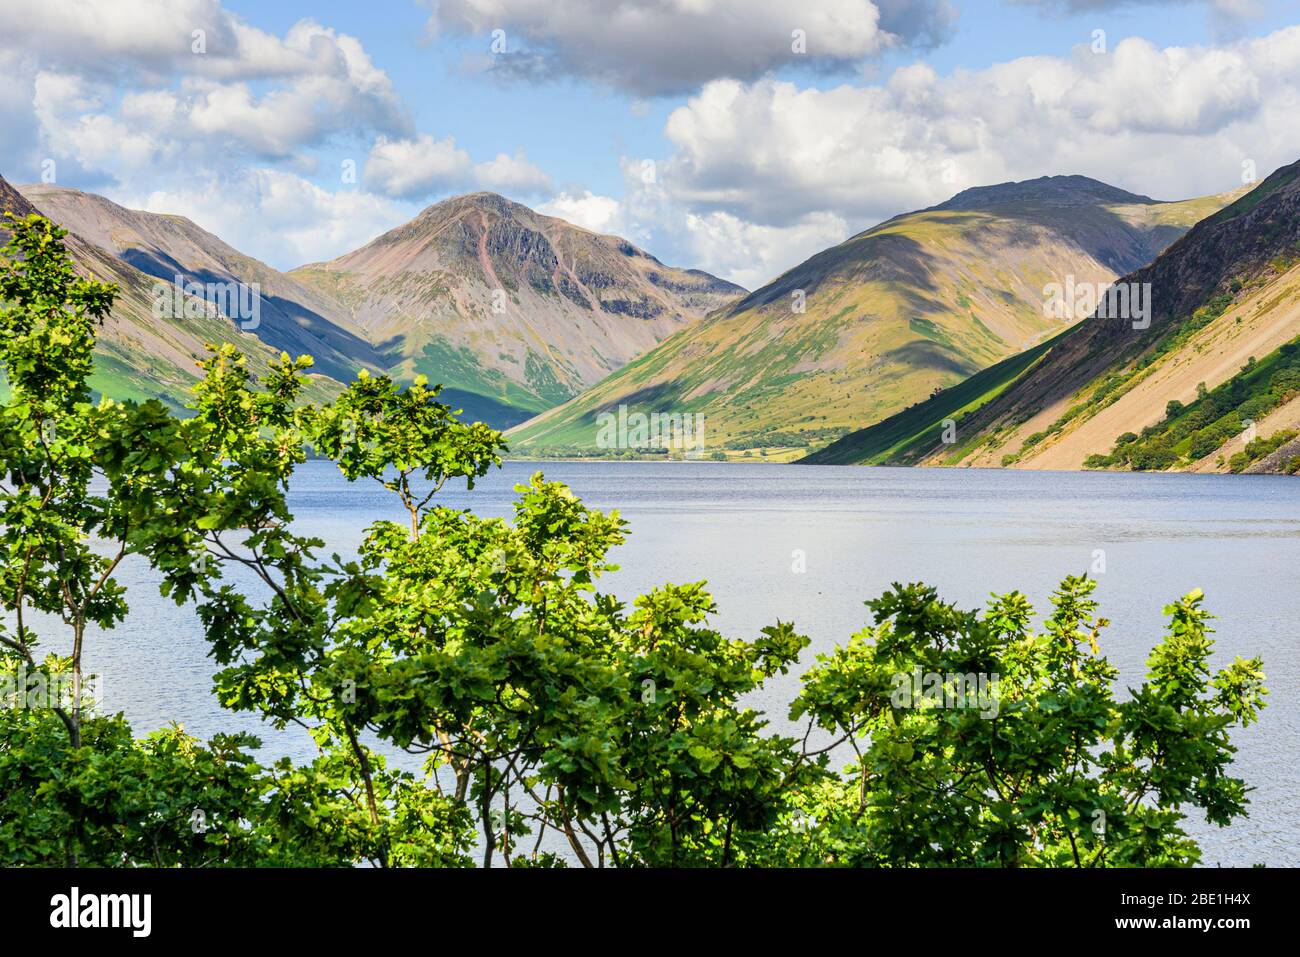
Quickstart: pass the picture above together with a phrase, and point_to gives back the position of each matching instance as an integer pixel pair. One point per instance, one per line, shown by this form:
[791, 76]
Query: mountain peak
[517, 308]
[479, 209]
[483, 200]
[1046, 191]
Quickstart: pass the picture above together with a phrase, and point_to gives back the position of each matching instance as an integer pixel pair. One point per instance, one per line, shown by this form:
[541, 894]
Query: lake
[968, 532]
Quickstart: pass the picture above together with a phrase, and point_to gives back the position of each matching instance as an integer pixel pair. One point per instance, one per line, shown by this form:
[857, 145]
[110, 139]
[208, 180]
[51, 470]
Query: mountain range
[929, 339]
[1211, 384]
[292, 317]
[883, 320]
[510, 310]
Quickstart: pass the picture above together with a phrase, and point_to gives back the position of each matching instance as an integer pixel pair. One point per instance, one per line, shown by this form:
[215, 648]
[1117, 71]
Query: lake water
[967, 532]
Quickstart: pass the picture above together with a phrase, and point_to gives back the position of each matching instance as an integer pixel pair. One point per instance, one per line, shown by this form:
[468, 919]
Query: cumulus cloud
[67, 109]
[657, 47]
[764, 174]
[760, 172]
[751, 254]
[276, 216]
[158, 36]
[421, 166]
[107, 79]
[726, 245]
[181, 106]
[1169, 122]
[513, 175]
[161, 37]
[600, 214]
[716, 242]
[413, 168]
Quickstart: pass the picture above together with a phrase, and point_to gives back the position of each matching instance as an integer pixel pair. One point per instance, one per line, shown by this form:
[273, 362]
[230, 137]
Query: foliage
[77, 498]
[1062, 774]
[1258, 448]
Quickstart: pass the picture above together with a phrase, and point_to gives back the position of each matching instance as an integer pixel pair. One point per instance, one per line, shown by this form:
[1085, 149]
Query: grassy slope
[903, 437]
[1231, 339]
[1236, 353]
[1222, 356]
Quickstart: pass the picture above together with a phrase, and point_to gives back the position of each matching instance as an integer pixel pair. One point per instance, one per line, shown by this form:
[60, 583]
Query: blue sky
[576, 131]
[759, 157]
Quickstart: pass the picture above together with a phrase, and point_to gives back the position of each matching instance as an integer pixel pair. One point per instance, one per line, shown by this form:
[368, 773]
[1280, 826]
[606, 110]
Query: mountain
[878, 323]
[141, 355]
[513, 311]
[290, 317]
[510, 310]
[1211, 384]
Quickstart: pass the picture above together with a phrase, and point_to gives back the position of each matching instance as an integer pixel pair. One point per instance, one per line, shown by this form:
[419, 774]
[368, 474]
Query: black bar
[337, 907]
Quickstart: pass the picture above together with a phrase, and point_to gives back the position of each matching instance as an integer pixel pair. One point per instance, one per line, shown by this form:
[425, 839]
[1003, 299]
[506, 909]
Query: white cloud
[716, 242]
[94, 70]
[118, 97]
[283, 121]
[151, 35]
[1170, 123]
[416, 167]
[66, 108]
[760, 173]
[275, 216]
[514, 175]
[752, 255]
[158, 38]
[773, 153]
[600, 214]
[654, 47]
[765, 174]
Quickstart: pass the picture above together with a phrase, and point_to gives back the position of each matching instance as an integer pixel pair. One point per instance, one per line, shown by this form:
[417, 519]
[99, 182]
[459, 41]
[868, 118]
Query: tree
[1046, 768]
[87, 485]
[478, 643]
[540, 705]
[46, 328]
[78, 497]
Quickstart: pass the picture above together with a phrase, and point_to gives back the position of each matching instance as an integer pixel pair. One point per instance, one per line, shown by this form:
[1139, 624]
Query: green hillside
[904, 437]
[871, 327]
[1211, 384]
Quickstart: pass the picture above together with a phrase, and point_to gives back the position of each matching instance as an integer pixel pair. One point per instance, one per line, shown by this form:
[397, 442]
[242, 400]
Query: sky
[735, 136]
